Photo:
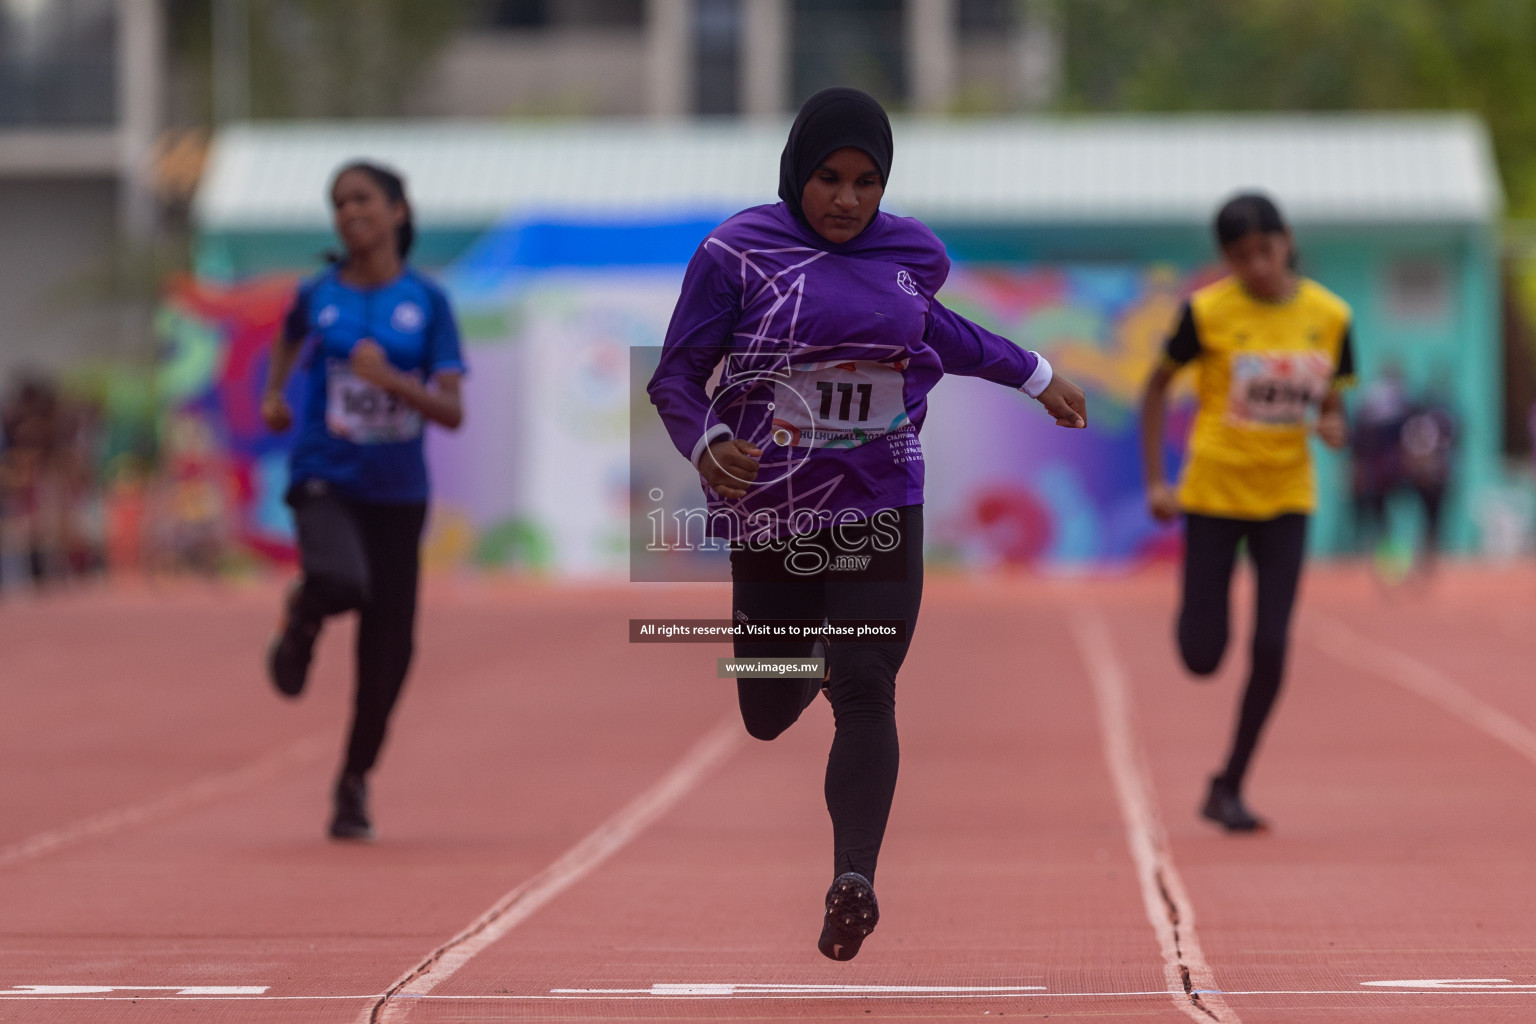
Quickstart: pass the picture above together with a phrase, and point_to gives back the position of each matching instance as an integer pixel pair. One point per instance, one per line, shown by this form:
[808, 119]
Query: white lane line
[209, 788]
[1358, 652]
[718, 744]
[1190, 981]
[6, 997]
[99, 990]
[754, 989]
[1388, 989]
[1459, 984]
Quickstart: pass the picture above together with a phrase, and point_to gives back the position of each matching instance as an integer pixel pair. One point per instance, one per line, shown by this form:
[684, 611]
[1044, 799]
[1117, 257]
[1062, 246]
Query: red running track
[573, 828]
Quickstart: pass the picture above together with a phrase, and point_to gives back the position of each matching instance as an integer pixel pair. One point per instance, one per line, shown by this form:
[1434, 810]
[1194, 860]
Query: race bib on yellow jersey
[359, 412]
[841, 404]
[1275, 389]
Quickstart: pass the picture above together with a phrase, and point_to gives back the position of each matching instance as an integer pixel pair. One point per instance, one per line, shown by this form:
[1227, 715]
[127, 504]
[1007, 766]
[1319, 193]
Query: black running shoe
[1225, 807]
[351, 818]
[292, 649]
[852, 913]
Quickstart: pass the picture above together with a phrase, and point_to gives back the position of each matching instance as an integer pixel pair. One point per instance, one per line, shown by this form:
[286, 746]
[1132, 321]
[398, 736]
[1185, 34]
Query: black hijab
[830, 120]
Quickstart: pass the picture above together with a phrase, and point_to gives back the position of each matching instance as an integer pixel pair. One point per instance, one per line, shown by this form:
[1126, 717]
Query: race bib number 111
[839, 404]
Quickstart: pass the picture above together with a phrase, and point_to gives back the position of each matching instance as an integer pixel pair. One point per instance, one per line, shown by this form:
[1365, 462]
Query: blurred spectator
[1376, 453]
[194, 503]
[73, 503]
[125, 514]
[1400, 445]
[1428, 441]
[1530, 426]
[46, 485]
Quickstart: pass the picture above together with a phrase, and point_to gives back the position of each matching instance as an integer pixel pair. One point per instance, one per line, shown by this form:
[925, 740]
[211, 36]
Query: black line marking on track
[1171, 907]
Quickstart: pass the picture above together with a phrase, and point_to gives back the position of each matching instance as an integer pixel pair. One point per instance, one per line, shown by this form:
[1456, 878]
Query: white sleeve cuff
[712, 435]
[1040, 379]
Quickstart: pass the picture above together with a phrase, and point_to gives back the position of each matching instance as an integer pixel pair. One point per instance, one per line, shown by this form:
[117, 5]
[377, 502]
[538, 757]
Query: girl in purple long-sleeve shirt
[819, 314]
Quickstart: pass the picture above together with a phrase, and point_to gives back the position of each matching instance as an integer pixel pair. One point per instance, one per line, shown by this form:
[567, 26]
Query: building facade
[80, 106]
[675, 58]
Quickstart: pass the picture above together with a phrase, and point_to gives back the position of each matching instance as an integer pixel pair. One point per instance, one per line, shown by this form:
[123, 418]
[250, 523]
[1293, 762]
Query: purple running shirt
[825, 355]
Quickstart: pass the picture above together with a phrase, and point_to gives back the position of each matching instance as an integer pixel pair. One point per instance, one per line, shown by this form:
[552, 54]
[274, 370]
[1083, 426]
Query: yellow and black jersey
[1263, 368]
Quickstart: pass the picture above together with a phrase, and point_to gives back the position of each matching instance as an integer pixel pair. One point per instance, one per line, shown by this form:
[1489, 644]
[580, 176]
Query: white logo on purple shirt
[905, 283]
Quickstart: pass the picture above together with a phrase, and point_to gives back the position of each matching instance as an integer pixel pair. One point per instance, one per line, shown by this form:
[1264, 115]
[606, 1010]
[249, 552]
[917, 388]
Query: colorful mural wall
[228, 472]
[539, 476]
[1005, 485]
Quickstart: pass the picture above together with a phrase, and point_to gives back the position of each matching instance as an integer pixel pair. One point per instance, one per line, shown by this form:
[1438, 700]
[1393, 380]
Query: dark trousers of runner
[1276, 547]
[366, 557]
[861, 769]
[1432, 495]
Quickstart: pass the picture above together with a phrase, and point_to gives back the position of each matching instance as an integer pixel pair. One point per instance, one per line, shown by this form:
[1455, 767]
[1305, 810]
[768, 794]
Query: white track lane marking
[1358, 652]
[1190, 981]
[719, 743]
[756, 988]
[1388, 989]
[209, 788]
[101, 990]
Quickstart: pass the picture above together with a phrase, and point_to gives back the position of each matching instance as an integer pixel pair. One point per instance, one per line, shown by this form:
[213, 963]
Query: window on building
[616, 13]
[717, 43]
[984, 19]
[850, 42]
[535, 14]
[58, 63]
[515, 14]
[1418, 290]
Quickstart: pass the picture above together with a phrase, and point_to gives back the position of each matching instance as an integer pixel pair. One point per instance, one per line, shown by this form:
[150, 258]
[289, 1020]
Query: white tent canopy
[1345, 169]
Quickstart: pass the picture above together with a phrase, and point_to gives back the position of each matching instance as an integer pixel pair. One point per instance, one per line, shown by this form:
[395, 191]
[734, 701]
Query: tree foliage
[320, 58]
[1314, 55]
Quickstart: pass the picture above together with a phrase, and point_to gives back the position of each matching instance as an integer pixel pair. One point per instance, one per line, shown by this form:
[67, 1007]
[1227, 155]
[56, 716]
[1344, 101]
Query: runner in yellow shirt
[1272, 350]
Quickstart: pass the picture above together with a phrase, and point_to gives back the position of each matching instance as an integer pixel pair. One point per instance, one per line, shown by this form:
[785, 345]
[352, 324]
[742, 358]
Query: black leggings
[1276, 547]
[861, 769]
[364, 556]
[1433, 497]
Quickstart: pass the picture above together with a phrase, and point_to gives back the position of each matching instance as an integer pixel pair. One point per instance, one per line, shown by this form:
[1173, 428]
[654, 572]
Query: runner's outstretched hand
[275, 412]
[370, 363]
[1162, 502]
[1333, 429]
[729, 466]
[1065, 401]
